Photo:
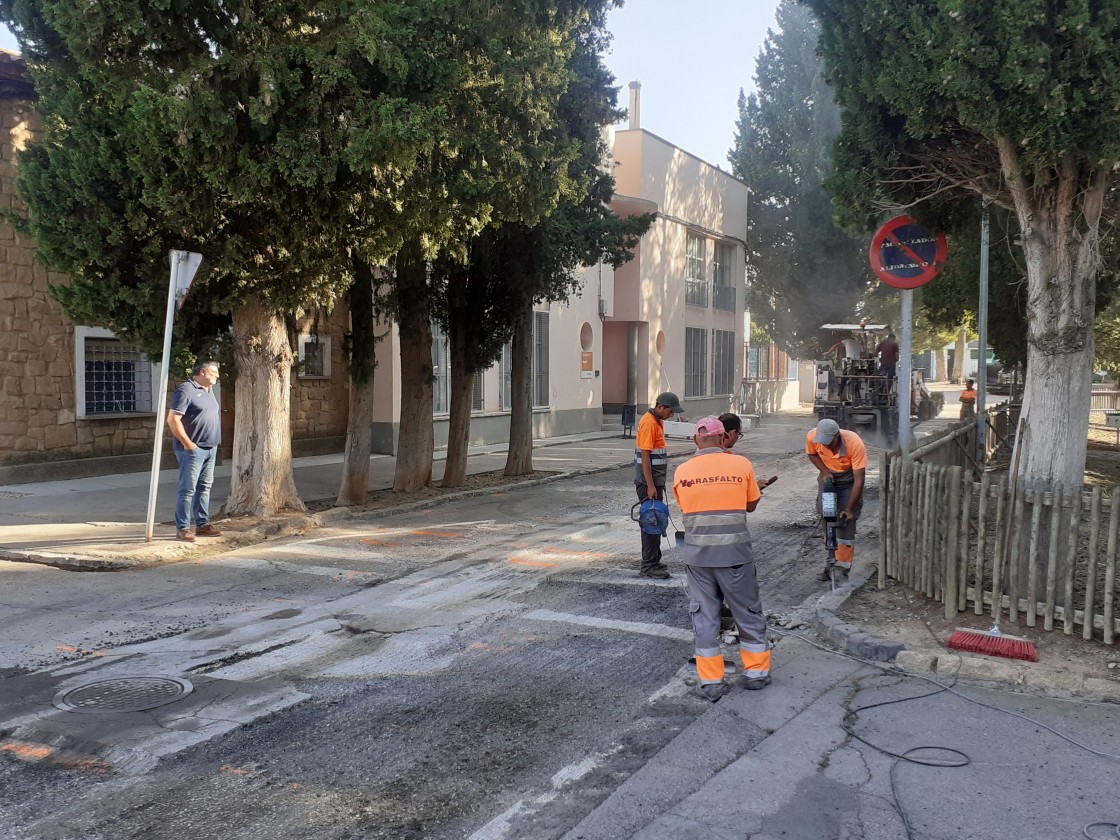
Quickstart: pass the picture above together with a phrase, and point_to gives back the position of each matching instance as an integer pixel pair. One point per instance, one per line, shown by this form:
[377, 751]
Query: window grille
[117, 378]
[441, 371]
[723, 292]
[314, 357]
[723, 361]
[505, 398]
[695, 361]
[696, 287]
[477, 403]
[540, 360]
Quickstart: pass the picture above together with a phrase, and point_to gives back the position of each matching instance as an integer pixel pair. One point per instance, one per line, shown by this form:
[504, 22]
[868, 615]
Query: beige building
[76, 400]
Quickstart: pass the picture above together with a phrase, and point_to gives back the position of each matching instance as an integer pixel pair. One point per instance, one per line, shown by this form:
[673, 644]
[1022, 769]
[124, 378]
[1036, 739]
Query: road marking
[334, 552]
[27, 751]
[294, 568]
[645, 628]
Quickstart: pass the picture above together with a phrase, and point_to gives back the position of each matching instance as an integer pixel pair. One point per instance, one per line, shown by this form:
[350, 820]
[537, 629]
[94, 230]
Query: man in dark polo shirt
[195, 420]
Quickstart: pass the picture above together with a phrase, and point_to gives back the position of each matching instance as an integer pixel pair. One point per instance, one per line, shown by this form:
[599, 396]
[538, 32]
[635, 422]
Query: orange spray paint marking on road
[28, 752]
[536, 563]
[237, 771]
[383, 543]
[451, 535]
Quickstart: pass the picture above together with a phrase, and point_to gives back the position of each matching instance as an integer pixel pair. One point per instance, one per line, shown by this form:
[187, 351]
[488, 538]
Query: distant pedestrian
[716, 490]
[195, 420]
[651, 467]
[968, 400]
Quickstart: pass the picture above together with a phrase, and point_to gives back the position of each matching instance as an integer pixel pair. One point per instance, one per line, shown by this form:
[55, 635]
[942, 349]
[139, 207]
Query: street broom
[993, 642]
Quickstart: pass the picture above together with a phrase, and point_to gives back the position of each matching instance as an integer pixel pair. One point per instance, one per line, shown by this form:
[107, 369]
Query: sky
[691, 59]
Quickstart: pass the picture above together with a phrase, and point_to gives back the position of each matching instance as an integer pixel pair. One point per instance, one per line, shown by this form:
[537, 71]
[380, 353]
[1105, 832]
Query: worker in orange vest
[839, 454]
[968, 400]
[651, 469]
[716, 490]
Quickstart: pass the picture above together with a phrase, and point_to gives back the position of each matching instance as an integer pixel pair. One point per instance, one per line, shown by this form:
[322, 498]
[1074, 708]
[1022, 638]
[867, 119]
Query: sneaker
[713, 691]
[755, 683]
[659, 572]
[208, 530]
[185, 535]
[825, 575]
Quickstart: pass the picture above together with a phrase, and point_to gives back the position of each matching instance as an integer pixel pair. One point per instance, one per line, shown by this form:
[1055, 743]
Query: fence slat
[1110, 566]
[1073, 534]
[929, 515]
[1056, 499]
[965, 526]
[1015, 552]
[952, 541]
[884, 481]
[1094, 546]
[981, 542]
[1037, 501]
[1003, 509]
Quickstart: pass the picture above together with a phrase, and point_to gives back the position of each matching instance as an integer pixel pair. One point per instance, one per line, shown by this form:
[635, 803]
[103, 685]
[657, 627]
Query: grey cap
[671, 401]
[827, 430]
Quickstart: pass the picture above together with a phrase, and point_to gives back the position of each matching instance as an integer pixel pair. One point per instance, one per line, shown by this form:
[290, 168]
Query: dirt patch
[1102, 460]
[898, 614]
[381, 499]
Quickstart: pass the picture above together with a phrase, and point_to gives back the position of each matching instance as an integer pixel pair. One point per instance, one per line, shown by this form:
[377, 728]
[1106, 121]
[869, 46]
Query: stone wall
[320, 407]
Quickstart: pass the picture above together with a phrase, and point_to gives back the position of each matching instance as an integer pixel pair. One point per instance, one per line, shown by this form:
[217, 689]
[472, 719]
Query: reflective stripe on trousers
[708, 588]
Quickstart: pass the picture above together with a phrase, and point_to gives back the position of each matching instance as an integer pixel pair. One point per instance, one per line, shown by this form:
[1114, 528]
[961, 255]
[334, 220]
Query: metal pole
[177, 259]
[905, 380]
[982, 348]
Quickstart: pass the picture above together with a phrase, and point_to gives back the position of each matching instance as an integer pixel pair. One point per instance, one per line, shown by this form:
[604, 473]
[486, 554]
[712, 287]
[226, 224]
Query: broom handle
[1006, 547]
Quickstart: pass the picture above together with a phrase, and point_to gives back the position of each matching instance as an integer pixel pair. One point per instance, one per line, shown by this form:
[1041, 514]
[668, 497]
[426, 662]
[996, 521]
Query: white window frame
[695, 282]
[505, 374]
[441, 372]
[154, 372]
[695, 362]
[540, 382]
[723, 291]
[323, 341]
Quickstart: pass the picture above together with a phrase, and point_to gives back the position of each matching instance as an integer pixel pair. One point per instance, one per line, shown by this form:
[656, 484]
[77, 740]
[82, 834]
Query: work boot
[755, 683]
[207, 530]
[825, 575]
[659, 572]
[713, 692]
[185, 535]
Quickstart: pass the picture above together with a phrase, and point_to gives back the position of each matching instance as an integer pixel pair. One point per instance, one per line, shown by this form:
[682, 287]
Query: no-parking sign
[906, 255]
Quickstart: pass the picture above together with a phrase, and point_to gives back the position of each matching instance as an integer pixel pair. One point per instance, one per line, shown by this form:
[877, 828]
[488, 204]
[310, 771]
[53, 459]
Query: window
[695, 361]
[505, 398]
[723, 292]
[441, 370]
[696, 289]
[723, 361]
[540, 360]
[314, 357]
[112, 377]
[477, 402]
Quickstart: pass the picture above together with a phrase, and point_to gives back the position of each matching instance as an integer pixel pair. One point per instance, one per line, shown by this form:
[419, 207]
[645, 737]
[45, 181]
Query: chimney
[635, 105]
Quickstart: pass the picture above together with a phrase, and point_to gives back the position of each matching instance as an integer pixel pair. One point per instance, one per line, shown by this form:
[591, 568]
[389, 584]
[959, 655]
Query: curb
[849, 637]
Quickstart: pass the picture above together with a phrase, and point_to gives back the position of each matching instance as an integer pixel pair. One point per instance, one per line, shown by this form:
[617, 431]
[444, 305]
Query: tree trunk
[942, 363]
[354, 488]
[960, 356]
[415, 440]
[519, 459]
[262, 482]
[459, 424]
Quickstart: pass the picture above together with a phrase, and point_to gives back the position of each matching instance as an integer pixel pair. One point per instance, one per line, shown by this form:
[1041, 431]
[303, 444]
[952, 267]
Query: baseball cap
[671, 401]
[710, 426]
[827, 430]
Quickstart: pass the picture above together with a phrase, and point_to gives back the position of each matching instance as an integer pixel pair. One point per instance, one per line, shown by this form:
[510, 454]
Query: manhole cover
[124, 694]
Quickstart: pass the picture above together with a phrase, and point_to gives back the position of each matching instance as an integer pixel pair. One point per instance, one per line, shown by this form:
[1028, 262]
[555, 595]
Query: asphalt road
[489, 669]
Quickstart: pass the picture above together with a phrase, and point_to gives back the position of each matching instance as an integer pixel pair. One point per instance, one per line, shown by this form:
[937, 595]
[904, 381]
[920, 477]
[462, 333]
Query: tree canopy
[804, 270]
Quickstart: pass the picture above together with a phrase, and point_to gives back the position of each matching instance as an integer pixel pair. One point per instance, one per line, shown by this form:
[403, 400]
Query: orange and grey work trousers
[846, 533]
[708, 588]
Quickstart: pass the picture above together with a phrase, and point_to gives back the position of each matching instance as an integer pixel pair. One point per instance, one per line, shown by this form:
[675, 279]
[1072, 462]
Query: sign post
[184, 266]
[906, 256]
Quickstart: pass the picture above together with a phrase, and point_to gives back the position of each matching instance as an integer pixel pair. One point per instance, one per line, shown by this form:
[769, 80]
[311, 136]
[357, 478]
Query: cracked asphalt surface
[494, 668]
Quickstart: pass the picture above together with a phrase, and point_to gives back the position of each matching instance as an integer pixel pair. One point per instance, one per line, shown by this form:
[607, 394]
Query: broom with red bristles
[993, 642]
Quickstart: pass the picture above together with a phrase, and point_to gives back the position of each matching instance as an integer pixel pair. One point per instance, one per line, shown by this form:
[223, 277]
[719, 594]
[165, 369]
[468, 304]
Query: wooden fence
[944, 534]
[955, 446]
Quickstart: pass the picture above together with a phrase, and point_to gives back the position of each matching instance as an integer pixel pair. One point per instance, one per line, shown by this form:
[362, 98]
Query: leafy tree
[804, 270]
[1013, 100]
[512, 265]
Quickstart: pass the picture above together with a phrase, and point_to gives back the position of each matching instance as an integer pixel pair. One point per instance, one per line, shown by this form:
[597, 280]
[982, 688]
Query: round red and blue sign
[906, 255]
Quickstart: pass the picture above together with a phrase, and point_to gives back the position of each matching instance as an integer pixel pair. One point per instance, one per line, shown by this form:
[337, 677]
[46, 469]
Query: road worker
[968, 400]
[651, 469]
[840, 455]
[715, 490]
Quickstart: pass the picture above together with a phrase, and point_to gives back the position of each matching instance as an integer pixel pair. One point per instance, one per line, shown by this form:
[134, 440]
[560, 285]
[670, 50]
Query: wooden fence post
[965, 529]
[1071, 554]
[1037, 500]
[982, 541]
[1053, 559]
[1110, 566]
[1091, 573]
[952, 533]
[884, 535]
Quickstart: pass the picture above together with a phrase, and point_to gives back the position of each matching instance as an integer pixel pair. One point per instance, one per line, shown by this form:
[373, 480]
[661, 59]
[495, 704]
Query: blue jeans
[196, 475]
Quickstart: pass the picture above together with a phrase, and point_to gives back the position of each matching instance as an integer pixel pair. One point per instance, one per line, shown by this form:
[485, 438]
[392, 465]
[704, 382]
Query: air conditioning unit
[602, 306]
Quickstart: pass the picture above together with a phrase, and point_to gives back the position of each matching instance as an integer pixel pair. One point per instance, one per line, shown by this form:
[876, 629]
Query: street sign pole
[184, 264]
[904, 381]
[982, 354]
